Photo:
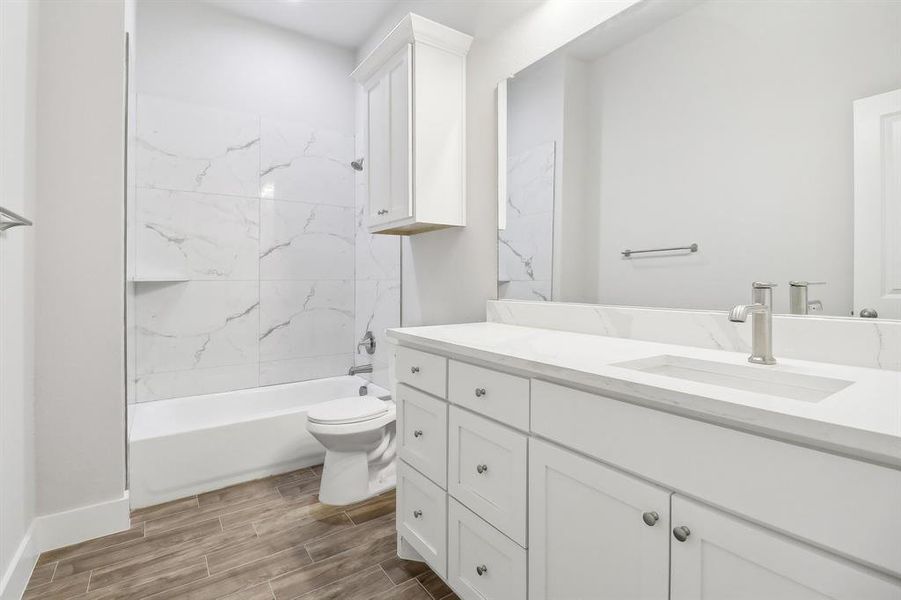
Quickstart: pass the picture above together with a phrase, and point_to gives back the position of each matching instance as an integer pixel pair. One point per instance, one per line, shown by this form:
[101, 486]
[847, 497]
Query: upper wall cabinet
[415, 84]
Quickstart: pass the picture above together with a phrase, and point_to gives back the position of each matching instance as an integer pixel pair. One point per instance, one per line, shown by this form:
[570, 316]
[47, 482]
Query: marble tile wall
[525, 245]
[245, 241]
[378, 287]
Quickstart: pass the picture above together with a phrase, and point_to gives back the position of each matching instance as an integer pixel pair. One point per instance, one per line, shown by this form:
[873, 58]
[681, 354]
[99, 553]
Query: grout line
[53, 575]
[271, 591]
[388, 576]
[427, 592]
[206, 562]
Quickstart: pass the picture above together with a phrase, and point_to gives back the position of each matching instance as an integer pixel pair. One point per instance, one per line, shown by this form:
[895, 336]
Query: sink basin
[760, 380]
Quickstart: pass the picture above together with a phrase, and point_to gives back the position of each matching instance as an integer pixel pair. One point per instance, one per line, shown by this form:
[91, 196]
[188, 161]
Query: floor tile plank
[63, 587]
[434, 585]
[157, 511]
[168, 558]
[259, 547]
[360, 586]
[268, 539]
[240, 579]
[373, 509]
[140, 549]
[44, 574]
[141, 587]
[400, 570]
[319, 574]
[349, 538]
[406, 591]
[106, 541]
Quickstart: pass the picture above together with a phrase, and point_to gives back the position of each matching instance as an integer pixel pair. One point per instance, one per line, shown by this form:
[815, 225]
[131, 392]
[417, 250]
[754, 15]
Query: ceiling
[350, 23]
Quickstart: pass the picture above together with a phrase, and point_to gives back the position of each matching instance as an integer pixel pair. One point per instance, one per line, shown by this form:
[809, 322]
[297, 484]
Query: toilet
[359, 438]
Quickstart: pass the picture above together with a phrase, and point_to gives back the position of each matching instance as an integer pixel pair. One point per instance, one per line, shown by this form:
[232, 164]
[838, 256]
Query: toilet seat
[346, 411]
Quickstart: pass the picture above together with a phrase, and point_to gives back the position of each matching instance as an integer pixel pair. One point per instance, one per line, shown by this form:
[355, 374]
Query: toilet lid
[348, 410]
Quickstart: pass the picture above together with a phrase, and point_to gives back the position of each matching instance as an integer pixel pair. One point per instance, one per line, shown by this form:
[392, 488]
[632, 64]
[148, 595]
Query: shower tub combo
[186, 446]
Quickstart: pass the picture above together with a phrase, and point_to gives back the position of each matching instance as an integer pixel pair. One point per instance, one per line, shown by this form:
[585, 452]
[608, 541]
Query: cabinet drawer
[422, 516]
[797, 490]
[424, 371]
[487, 471]
[496, 395]
[422, 432]
[482, 563]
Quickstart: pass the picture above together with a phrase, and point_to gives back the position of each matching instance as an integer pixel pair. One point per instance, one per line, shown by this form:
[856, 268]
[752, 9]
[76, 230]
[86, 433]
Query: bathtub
[186, 446]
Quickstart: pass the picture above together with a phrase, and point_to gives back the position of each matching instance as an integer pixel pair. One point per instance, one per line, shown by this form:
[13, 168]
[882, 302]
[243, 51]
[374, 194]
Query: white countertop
[863, 420]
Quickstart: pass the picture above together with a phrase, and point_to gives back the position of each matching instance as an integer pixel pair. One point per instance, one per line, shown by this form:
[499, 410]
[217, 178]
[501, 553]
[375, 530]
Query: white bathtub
[185, 446]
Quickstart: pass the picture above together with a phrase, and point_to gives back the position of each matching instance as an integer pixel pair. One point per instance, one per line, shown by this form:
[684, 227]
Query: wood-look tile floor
[268, 539]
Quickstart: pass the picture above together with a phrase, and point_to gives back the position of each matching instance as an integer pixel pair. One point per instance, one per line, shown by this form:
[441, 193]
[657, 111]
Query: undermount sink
[760, 380]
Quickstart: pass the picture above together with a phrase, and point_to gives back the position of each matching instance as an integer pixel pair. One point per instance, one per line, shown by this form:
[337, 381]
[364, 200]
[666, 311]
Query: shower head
[357, 164]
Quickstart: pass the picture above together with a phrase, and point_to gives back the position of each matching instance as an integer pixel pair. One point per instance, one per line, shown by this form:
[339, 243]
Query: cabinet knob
[650, 518]
[481, 570]
[383, 211]
[414, 370]
[417, 433]
[681, 533]
[480, 392]
[417, 514]
[482, 469]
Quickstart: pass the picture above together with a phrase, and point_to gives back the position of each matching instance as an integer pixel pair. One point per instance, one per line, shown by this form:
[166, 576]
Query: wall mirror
[682, 150]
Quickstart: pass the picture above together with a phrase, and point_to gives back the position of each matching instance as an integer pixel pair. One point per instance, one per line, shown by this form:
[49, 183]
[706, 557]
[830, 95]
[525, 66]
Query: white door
[877, 204]
[594, 533]
[390, 146]
[725, 558]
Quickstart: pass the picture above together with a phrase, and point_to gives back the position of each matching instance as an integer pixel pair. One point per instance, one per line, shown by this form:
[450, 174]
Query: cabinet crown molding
[412, 29]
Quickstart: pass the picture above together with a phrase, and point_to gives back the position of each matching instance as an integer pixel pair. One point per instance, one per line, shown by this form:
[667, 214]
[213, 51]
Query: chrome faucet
[761, 311]
[367, 343]
[356, 370]
[797, 296]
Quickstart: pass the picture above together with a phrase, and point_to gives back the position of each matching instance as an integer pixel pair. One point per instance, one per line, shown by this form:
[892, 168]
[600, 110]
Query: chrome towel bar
[628, 253]
[9, 219]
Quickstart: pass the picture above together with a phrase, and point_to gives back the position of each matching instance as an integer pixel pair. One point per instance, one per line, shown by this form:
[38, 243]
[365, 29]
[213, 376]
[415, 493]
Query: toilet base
[349, 477]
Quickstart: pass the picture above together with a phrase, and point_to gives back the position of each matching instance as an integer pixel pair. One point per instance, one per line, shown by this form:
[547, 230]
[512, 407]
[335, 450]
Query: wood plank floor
[268, 539]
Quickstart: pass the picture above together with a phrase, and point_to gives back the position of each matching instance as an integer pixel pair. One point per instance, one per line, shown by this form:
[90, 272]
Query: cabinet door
[594, 533]
[725, 558]
[390, 158]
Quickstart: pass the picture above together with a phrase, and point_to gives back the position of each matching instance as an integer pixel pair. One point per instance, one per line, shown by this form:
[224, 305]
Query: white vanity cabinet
[415, 87]
[725, 557]
[593, 531]
[547, 492]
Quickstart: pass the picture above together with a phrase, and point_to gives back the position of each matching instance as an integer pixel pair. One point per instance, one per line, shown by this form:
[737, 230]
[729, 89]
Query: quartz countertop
[863, 420]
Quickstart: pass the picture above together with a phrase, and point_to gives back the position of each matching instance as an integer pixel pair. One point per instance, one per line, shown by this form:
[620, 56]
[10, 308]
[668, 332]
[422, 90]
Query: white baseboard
[12, 585]
[80, 524]
[57, 530]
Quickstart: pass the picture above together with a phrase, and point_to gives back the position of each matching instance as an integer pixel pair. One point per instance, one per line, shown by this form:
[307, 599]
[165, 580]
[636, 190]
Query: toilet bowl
[359, 438]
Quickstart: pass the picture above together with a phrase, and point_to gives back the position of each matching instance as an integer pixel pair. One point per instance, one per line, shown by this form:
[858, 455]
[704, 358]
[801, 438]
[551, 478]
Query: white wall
[18, 49]
[731, 126]
[196, 53]
[79, 357]
[448, 275]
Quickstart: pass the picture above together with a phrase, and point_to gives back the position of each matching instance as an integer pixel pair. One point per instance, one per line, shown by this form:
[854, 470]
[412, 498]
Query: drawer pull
[681, 533]
[482, 469]
[417, 514]
[481, 570]
[417, 433]
[414, 370]
[480, 392]
[650, 518]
